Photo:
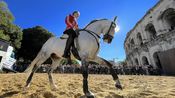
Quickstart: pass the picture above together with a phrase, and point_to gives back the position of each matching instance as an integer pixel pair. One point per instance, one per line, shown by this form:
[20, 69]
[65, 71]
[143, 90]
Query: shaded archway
[151, 31]
[136, 61]
[131, 63]
[145, 60]
[128, 46]
[132, 41]
[157, 60]
[169, 17]
[139, 37]
[0, 58]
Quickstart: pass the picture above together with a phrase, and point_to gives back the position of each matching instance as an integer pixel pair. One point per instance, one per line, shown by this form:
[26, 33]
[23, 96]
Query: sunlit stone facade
[153, 34]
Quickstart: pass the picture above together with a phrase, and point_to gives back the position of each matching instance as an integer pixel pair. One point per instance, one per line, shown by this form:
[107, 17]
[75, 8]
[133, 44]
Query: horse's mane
[94, 21]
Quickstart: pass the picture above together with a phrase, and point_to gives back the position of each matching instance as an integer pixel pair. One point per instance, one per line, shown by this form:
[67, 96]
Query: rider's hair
[76, 12]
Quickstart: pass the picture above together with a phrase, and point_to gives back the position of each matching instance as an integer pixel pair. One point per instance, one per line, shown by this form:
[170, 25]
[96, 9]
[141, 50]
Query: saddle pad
[64, 36]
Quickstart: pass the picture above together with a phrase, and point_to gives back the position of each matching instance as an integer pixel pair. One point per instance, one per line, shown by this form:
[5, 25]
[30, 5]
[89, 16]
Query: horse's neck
[95, 27]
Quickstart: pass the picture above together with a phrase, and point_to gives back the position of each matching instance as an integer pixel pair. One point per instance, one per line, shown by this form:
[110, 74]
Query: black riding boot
[68, 46]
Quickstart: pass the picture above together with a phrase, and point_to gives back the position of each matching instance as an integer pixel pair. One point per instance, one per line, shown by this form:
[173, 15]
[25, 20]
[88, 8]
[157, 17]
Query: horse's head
[103, 26]
[109, 30]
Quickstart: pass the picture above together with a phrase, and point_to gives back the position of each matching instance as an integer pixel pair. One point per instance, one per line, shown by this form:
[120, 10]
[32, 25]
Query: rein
[93, 34]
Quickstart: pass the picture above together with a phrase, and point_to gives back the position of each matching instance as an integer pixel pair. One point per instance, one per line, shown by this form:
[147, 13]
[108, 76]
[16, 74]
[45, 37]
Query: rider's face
[76, 15]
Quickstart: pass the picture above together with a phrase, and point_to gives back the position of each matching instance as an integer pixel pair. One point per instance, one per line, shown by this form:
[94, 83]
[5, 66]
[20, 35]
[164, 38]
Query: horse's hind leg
[112, 71]
[36, 66]
[55, 62]
[31, 75]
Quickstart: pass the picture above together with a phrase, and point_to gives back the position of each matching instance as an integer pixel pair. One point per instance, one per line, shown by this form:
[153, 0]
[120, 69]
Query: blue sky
[51, 15]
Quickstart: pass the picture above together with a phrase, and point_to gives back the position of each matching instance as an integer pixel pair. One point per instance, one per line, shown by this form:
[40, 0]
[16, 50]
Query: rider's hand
[76, 27]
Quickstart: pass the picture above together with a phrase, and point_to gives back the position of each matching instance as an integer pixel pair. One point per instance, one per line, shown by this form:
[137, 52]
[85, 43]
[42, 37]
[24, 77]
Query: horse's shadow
[113, 96]
[9, 94]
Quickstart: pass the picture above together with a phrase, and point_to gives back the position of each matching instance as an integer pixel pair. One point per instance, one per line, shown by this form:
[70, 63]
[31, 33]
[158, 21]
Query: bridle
[107, 35]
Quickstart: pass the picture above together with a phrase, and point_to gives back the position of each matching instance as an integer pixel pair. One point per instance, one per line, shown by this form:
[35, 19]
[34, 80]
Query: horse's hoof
[54, 88]
[90, 95]
[27, 86]
[118, 86]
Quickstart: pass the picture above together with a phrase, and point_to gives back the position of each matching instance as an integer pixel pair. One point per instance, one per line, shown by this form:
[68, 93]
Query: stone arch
[145, 60]
[168, 16]
[139, 38]
[150, 29]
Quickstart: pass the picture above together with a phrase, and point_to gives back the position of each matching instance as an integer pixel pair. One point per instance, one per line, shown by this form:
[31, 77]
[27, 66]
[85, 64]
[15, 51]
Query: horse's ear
[115, 18]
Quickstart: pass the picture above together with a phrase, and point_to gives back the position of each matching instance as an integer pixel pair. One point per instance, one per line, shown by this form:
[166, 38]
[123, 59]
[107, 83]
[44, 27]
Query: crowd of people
[102, 69]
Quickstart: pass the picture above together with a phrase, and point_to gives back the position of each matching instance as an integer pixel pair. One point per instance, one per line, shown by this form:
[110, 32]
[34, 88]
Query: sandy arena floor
[70, 86]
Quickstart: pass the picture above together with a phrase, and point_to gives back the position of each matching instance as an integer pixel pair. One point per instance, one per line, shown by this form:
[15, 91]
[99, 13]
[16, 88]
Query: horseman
[71, 27]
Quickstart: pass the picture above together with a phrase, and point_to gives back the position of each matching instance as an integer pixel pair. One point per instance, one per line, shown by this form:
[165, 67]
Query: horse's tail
[34, 62]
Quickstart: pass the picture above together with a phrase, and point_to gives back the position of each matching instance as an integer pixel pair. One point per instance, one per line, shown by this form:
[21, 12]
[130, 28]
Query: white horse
[88, 47]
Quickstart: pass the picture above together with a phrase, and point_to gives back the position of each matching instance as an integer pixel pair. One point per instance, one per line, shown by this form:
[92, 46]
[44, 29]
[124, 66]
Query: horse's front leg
[112, 71]
[115, 78]
[84, 69]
